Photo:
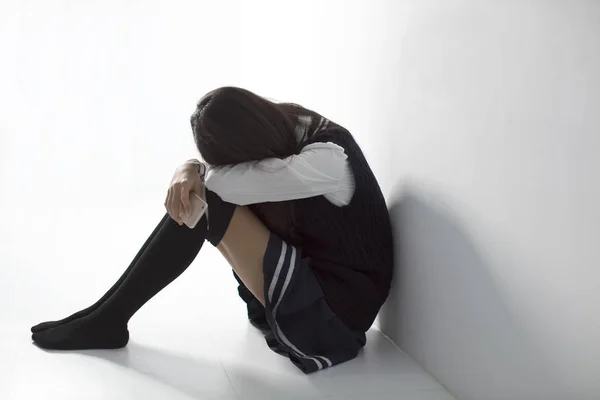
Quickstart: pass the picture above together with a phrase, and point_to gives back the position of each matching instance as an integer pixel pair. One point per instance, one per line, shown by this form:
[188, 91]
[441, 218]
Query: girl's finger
[185, 200]
[175, 203]
[198, 188]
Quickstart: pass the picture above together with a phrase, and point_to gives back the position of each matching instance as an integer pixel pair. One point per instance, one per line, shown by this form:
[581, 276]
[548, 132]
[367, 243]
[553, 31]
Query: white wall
[495, 195]
[481, 121]
[95, 96]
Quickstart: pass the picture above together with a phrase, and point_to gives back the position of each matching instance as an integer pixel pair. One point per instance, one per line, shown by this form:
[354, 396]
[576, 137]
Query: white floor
[192, 341]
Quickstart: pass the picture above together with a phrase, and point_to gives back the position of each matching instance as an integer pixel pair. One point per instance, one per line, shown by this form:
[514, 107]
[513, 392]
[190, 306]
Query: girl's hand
[187, 178]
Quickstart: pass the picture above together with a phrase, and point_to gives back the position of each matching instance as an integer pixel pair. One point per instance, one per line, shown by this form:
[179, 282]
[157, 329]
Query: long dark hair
[233, 125]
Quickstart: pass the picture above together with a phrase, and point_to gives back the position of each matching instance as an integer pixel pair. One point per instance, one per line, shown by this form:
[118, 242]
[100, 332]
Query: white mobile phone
[199, 207]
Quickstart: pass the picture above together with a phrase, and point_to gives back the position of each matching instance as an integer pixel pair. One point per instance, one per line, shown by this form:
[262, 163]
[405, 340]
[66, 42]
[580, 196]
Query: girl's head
[233, 125]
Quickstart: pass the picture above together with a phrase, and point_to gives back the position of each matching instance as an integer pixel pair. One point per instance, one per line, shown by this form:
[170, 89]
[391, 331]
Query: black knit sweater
[350, 247]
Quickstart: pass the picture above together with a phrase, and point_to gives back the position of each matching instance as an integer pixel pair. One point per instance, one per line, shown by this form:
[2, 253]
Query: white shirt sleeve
[320, 169]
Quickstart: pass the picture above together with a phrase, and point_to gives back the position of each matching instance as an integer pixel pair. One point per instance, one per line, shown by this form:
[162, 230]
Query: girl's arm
[320, 169]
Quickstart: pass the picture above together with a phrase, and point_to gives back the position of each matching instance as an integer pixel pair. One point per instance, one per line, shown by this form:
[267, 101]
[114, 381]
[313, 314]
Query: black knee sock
[171, 251]
[86, 311]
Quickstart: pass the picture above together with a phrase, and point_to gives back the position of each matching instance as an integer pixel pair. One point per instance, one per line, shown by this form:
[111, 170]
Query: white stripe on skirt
[285, 285]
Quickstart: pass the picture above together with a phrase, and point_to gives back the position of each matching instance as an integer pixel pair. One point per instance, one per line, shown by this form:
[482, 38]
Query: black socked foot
[82, 334]
[53, 324]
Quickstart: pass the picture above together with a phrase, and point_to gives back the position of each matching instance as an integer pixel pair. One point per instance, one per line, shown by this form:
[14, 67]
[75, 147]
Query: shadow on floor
[186, 374]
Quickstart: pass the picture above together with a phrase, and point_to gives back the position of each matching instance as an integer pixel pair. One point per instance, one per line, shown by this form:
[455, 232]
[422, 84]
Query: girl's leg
[244, 245]
[168, 254]
[172, 250]
[84, 312]
[256, 310]
[303, 327]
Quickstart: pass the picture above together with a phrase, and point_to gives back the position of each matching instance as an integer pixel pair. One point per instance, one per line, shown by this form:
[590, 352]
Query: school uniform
[329, 271]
